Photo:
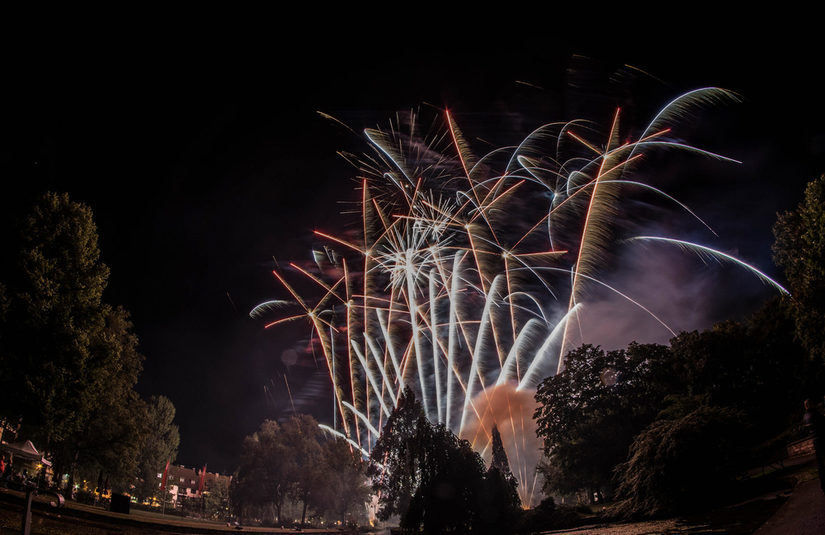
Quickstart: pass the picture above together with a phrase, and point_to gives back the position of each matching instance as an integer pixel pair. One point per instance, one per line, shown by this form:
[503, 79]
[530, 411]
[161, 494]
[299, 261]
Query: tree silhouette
[501, 505]
[499, 459]
[69, 361]
[800, 250]
[398, 455]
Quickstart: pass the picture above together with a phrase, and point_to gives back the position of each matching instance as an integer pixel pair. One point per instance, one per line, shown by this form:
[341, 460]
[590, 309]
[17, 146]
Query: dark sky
[203, 163]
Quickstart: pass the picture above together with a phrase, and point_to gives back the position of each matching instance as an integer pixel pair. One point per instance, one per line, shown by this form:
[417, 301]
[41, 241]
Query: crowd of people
[9, 477]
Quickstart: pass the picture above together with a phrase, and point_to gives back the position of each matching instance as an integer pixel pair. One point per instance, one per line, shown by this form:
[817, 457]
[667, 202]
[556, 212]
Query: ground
[78, 519]
[800, 511]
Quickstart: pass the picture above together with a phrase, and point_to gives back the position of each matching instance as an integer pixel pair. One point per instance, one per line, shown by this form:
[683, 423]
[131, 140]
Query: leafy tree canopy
[684, 460]
[589, 413]
[294, 461]
[435, 482]
[70, 361]
[799, 249]
[54, 320]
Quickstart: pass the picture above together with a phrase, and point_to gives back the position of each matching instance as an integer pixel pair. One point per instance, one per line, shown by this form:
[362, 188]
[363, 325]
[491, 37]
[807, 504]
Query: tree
[108, 442]
[54, 284]
[589, 413]
[799, 249]
[344, 482]
[293, 461]
[686, 459]
[160, 440]
[501, 505]
[449, 497]
[499, 459]
[216, 499]
[70, 362]
[301, 437]
[264, 475]
[780, 369]
[434, 481]
[397, 456]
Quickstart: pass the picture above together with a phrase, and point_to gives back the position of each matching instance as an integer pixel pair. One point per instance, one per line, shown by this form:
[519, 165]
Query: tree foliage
[684, 460]
[216, 500]
[799, 249]
[293, 461]
[54, 320]
[343, 489]
[70, 361]
[435, 482]
[264, 473]
[301, 438]
[398, 456]
[649, 403]
[160, 440]
[589, 413]
[448, 498]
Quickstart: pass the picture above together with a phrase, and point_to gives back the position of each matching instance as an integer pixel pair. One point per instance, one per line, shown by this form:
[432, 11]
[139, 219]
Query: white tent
[24, 450]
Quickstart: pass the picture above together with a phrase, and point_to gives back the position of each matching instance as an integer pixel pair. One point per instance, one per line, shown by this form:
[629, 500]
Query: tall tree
[434, 481]
[499, 459]
[344, 482]
[501, 504]
[216, 499]
[397, 456]
[264, 474]
[160, 441]
[109, 439]
[449, 496]
[53, 317]
[301, 438]
[70, 361]
[799, 249]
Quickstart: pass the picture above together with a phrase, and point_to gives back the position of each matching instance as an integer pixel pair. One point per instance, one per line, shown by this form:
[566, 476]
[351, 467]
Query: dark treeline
[666, 429]
[69, 362]
[435, 483]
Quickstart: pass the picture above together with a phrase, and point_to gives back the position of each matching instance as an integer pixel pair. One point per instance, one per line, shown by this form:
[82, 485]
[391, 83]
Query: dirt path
[802, 514]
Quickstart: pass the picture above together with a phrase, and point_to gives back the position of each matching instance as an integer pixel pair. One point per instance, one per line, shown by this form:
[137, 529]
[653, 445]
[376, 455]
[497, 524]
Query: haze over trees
[294, 464]
[69, 360]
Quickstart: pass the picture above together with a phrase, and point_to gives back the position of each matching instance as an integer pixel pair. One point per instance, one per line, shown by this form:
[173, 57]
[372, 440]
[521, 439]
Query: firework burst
[467, 276]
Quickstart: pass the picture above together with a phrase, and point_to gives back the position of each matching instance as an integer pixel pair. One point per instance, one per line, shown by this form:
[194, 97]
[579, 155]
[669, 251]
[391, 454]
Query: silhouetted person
[814, 423]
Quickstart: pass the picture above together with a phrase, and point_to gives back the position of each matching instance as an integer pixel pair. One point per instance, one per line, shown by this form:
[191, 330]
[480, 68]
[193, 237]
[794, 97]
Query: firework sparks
[474, 272]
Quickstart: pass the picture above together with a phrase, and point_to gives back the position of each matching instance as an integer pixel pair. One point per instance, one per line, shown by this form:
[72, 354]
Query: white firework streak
[465, 260]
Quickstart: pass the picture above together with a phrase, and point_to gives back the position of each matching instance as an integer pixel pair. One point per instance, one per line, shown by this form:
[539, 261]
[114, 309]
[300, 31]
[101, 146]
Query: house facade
[183, 482]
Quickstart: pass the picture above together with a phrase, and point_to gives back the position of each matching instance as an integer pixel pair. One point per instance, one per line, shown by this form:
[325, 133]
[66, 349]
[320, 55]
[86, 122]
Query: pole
[26, 528]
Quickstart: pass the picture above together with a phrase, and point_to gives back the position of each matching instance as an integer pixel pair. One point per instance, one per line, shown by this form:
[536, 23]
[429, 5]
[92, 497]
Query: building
[183, 482]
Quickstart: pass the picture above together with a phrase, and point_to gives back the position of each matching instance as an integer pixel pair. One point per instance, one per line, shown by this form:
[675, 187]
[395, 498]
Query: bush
[547, 515]
[682, 462]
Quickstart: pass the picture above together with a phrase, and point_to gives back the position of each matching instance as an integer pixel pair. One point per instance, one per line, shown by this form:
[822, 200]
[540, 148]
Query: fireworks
[466, 277]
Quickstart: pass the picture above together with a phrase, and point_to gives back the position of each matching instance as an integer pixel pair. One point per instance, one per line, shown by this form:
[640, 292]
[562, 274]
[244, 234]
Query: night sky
[204, 166]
